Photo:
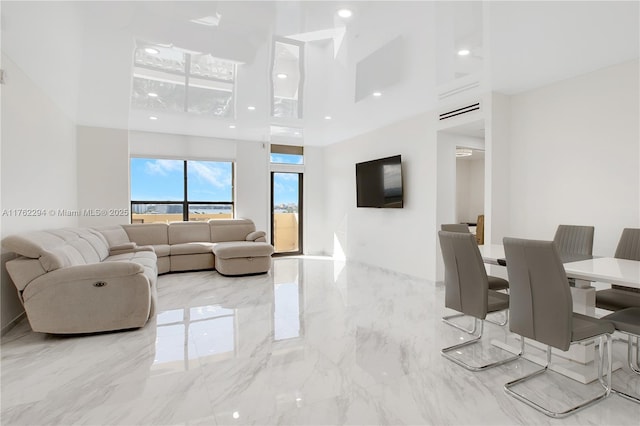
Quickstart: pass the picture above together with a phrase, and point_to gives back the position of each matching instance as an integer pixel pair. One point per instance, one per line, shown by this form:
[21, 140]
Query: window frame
[186, 201]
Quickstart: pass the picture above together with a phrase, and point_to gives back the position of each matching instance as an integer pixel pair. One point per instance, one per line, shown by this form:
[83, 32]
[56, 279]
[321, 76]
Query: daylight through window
[175, 190]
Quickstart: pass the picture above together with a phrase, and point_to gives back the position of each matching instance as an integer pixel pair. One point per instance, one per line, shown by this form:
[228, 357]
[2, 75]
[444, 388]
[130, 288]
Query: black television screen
[379, 183]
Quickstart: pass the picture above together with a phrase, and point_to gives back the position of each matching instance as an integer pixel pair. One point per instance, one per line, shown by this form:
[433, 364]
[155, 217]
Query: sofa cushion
[189, 232]
[148, 234]
[62, 256]
[86, 250]
[91, 244]
[230, 229]
[114, 234]
[59, 248]
[32, 244]
[191, 248]
[236, 249]
[162, 250]
[146, 259]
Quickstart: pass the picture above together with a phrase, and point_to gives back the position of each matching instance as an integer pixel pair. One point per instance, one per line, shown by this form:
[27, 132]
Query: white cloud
[162, 167]
[212, 175]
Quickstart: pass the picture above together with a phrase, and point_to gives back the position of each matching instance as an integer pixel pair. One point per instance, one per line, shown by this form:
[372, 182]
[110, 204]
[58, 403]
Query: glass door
[286, 212]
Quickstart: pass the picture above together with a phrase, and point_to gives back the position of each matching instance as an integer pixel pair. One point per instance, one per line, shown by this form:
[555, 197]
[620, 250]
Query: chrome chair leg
[446, 352]
[506, 319]
[634, 364]
[607, 386]
[447, 320]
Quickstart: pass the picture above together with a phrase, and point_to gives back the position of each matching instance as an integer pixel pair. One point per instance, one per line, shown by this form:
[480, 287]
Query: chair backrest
[574, 239]
[465, 279]
[455, 227]
[540, 302]
[629, 244]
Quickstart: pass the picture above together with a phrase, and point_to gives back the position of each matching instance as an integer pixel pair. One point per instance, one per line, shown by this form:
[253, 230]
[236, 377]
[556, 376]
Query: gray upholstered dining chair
[541, 308]
[574, 239]
[454, 227]
[467, 290]
[495, 283]
[618, 297]
[628, 321]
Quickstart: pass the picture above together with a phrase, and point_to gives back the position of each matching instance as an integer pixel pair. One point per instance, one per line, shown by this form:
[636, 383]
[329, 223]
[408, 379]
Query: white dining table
[609, 270]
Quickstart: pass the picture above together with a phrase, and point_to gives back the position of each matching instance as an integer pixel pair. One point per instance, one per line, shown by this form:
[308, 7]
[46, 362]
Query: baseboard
[12, 324]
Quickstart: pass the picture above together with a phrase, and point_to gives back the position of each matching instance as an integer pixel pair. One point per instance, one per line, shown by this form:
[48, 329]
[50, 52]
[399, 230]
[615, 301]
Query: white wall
[469, 189]
[575, 156]
[103, 176]
[252, 184]
[45, 39]
[314, 219]
[165, 145]
[498, 166]
[402, 240]
[38, 166]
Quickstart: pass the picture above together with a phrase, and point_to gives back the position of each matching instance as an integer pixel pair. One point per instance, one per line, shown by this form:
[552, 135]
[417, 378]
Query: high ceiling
[82, 55]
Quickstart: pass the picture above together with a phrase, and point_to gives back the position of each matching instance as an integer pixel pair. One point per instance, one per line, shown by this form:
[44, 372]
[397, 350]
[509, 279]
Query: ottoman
[242, 257]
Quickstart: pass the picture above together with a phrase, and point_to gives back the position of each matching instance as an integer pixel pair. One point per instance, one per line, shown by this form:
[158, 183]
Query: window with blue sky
[287, 158]
[209, 181]
[157, 180]
[158, 188]
[285, 188]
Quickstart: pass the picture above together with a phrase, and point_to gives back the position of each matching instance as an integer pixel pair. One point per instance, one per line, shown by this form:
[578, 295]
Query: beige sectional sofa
[82, 280]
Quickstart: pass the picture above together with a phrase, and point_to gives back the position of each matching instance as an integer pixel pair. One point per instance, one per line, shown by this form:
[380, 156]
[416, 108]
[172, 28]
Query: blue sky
[285, 188]
[162, 180]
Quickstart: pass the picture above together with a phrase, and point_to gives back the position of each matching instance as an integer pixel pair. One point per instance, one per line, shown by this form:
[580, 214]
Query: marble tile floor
[315, 341]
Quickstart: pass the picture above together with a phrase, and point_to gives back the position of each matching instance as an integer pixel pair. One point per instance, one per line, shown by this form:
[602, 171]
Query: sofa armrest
[89, 298]
[97, 271]
[256, 236]
[128, 248]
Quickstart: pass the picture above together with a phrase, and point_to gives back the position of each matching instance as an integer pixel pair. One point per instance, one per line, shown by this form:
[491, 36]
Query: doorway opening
[286, 212]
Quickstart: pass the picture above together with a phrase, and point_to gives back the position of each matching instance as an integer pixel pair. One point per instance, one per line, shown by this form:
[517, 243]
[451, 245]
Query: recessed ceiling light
[251, 108]
[281, 75]
[345, 13]
[232, 126]
[463, 52]
[327, 117]
[153, 117]
[151, 50]
[152, 95]
[377, 94]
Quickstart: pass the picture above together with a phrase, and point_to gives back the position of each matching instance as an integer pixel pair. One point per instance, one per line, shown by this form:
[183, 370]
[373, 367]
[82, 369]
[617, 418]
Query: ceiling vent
[459, 111]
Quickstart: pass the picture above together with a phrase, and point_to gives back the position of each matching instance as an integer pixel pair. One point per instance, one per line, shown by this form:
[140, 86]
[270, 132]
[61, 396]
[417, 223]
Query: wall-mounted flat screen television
[379, 183]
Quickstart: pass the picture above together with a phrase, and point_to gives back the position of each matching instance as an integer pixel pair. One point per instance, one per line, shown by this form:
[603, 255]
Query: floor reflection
[288, 299]
[194, 333]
